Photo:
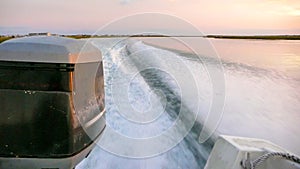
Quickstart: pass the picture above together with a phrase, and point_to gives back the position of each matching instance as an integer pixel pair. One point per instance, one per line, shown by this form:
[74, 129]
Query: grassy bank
[265, 37]
[4, 38]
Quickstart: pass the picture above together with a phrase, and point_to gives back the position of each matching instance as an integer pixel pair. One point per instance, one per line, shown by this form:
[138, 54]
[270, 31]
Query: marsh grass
[4, 38]
[264, 37]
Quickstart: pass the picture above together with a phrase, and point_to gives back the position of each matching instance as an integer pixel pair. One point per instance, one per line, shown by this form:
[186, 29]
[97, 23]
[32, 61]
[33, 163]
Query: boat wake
[145, 97]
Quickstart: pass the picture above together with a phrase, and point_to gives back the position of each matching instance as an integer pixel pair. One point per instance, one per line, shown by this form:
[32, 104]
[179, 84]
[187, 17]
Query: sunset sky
[209, 16]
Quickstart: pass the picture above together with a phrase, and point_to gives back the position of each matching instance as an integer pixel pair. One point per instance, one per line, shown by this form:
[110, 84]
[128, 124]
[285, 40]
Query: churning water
[262, 98]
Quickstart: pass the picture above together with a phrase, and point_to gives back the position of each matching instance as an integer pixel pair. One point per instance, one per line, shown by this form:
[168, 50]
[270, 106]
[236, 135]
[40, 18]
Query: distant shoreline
[262, 37]
[259, 37]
